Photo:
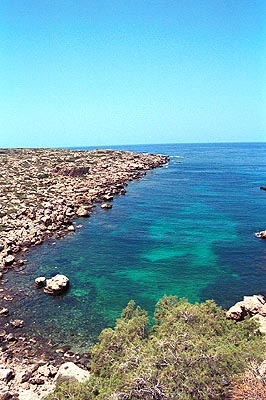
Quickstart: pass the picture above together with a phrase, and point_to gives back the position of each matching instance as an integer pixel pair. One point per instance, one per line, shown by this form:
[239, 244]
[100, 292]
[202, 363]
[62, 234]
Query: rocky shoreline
[42, 192]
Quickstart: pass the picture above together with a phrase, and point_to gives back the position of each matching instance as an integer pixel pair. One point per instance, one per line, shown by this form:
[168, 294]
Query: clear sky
[96, 72]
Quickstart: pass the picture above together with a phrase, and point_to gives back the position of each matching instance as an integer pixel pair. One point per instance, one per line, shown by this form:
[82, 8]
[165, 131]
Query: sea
[186, 229]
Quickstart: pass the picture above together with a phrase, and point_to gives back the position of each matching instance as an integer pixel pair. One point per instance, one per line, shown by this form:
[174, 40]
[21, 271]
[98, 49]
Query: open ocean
[185, 229]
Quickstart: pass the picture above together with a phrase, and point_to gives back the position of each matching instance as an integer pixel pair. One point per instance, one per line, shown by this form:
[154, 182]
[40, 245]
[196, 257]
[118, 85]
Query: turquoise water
[184, 229]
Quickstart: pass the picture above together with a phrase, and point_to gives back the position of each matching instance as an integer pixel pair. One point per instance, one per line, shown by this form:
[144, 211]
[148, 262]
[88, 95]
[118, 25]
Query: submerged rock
[57, 285]
[16, 323]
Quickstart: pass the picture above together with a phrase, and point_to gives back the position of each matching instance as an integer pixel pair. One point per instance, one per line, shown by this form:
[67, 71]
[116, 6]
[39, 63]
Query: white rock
[82, 212]
[5, 373]
[71, 372]
[9, 260]
[237, 312]
[106, 206]
[56, 285]
[40, 281]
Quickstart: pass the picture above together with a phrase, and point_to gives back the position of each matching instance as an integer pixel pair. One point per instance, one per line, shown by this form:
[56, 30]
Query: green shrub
[191, 353]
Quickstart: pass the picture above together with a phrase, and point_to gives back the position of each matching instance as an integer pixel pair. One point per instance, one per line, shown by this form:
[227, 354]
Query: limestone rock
[70, 372]
[40, 281]
[255, 304]
[9, 260]
[56, 285]
[6, 373]
[250, 305]
[3, 312]
[261, 234]
[16, 323]
[47, 370]
[237, 312]
[82, 211]
[106, 206]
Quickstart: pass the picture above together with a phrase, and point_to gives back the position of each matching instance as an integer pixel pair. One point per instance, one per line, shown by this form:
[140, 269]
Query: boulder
[70, 372]
[261, 234]
[9, 260]
[106, 206]
[6, 373]
[108, 197]
[82, 211]
[3, 312]
[40, 281]
[56, 285]
[16, 323]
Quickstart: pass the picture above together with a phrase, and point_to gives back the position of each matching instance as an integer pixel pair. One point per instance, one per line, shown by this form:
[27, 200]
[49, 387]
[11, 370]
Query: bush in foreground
[191, 353]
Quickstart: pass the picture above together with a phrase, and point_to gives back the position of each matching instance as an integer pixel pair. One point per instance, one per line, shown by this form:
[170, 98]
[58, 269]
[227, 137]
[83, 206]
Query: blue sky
[95, 72]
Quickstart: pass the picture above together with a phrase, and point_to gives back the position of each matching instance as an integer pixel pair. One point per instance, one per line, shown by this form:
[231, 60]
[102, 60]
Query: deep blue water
[184, 229]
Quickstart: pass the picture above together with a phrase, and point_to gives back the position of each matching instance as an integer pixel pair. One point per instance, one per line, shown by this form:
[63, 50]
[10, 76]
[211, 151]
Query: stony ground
[41, 192]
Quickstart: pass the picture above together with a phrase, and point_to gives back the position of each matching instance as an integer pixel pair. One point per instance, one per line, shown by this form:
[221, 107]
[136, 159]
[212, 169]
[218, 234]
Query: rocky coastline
[42, 192]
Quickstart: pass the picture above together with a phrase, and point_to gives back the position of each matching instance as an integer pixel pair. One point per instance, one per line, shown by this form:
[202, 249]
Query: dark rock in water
[56, 285]
[263, 188]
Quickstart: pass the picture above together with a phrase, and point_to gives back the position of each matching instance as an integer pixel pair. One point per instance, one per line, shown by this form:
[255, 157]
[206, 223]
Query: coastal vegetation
[192, 351]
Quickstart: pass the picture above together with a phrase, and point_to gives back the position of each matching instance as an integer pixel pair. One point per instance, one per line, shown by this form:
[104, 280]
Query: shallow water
[184, 229]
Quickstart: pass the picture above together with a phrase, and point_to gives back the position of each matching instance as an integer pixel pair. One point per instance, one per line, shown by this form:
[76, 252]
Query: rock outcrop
[255, 306]
[43, 190]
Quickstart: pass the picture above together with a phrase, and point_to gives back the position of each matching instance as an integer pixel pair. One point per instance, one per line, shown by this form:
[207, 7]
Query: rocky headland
[42, 192]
